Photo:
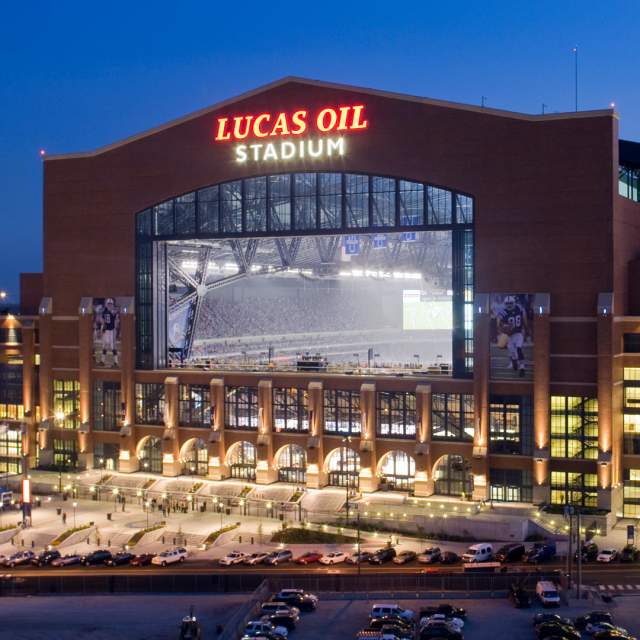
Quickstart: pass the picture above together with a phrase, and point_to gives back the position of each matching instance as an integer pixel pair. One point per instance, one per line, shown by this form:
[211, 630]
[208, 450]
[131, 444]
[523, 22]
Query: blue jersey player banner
[511, 335]
[106, 332]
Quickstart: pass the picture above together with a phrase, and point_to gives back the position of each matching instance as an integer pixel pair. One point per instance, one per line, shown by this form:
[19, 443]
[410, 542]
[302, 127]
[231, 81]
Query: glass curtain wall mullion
[194, 406]
[452, 416]
[574, 488]
[66, 403]
[150, 403]
[290, 409]
[342, 412]
[107, 405]
[574, 427]
[241, 408]
[396, 414]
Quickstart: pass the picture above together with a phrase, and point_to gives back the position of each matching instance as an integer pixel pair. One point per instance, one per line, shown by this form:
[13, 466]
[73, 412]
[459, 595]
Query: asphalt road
[592, 573]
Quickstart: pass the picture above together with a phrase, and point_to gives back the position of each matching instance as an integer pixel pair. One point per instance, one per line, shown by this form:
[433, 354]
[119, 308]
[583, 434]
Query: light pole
[115, 498]
[147, 504]
[346, 441]
[75, 504]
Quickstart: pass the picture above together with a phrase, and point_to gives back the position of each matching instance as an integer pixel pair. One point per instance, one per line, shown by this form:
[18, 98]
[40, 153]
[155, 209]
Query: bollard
[108, 543]
[33, 544]
[174, 541]
[240, 539]
[163, 539]
[251, 539]
[22, 542]
[89, 542]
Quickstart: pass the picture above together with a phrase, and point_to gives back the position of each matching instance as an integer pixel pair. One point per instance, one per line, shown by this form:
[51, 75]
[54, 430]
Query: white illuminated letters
[290, 150]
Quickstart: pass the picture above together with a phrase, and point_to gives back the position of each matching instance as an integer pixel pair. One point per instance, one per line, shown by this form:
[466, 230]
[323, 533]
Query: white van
[481, 552]
[547, 593]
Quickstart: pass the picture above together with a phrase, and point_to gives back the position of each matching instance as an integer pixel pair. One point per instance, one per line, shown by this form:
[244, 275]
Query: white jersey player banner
[511, 335]
[106, 332]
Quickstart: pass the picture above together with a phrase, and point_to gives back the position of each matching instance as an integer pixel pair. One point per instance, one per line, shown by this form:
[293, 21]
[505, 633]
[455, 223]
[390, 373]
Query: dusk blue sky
[77, 75]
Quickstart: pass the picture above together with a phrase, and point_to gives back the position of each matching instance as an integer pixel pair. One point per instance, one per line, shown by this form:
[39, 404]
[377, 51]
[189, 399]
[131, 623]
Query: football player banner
[106, 332]
[511, 336]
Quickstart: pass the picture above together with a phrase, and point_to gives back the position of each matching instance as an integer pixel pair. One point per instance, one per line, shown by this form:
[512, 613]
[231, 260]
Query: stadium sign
[264, 127]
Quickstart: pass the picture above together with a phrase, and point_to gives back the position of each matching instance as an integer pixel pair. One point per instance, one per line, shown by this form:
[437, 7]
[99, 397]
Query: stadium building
[320, 284]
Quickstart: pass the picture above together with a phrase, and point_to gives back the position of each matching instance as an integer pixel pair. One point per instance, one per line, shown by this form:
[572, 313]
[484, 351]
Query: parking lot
[487, 619]
[157, 617]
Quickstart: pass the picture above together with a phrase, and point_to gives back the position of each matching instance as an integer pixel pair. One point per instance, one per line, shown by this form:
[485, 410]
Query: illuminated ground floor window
[65, 454]
[106, 455]
[510, 485]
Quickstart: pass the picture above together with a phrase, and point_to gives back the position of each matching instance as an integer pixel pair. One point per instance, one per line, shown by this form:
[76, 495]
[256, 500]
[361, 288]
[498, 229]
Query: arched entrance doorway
[195, 458]
[343, 465]
[291, 462]
[150, 455]
[452, 476]
[242, 460]
[397, 471]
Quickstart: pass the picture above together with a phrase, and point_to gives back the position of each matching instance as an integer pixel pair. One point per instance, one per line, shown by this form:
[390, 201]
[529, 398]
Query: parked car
[405, 556]
[547, 593]
[445, 609]
[263, 628]
[449, 557]
[612, 635]
[278, 608]
[66, 561]
[308, 558]
[334, 557]
[282, 619]
[46, 557]
[96, 557]
[430, 555]
[142, 560]
[124, 557]
[170, 556]
[629, 553]
[541, 552]
[393, 628]
[597, 627]
[589, 552]
[235, 557]
[482, 552]
[557, 629]
[607, 555]
[540, 618]
[513, 552]
[593, 617]
[255, 558]
[382, 555]
[297, 598]
[440, 629]
[519, 596]
[18, 558]
[386, 610]
[402, 624]
[277, 557]
[358, 557]
[458, 623]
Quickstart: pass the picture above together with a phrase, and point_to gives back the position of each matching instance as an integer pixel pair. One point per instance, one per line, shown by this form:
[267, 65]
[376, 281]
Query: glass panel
[383, 201]
[231, 206]
[255, 203]
[208, 210]
[439, 206]
[357, 200]
[305, 201]
[330, 200]
[185, 210]
[411, 197]
[280, 203]
[163, 219]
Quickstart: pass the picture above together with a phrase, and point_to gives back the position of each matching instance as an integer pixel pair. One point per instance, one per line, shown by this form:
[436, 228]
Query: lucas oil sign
[281, 136]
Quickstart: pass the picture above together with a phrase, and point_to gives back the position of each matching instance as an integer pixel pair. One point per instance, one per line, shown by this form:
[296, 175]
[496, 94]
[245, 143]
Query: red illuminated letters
[283, 124]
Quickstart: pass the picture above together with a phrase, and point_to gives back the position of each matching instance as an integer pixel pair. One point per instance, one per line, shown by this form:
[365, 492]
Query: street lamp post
[75, 504]
[147, 504]
[347, 440]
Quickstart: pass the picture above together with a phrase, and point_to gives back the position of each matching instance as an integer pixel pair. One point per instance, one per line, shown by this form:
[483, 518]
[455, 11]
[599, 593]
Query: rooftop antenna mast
[575, 74]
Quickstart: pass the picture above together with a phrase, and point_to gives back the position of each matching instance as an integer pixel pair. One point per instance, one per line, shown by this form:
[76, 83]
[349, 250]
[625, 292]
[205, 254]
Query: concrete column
[541, 398]
[316, 475]
[424, 484]
[30, 433]
[368, 479]
[128, 460]
[218, 470]
[45, 442]
[609, 458]
[265, 472]
[481, 377]
[171, 464]
[85, 362]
